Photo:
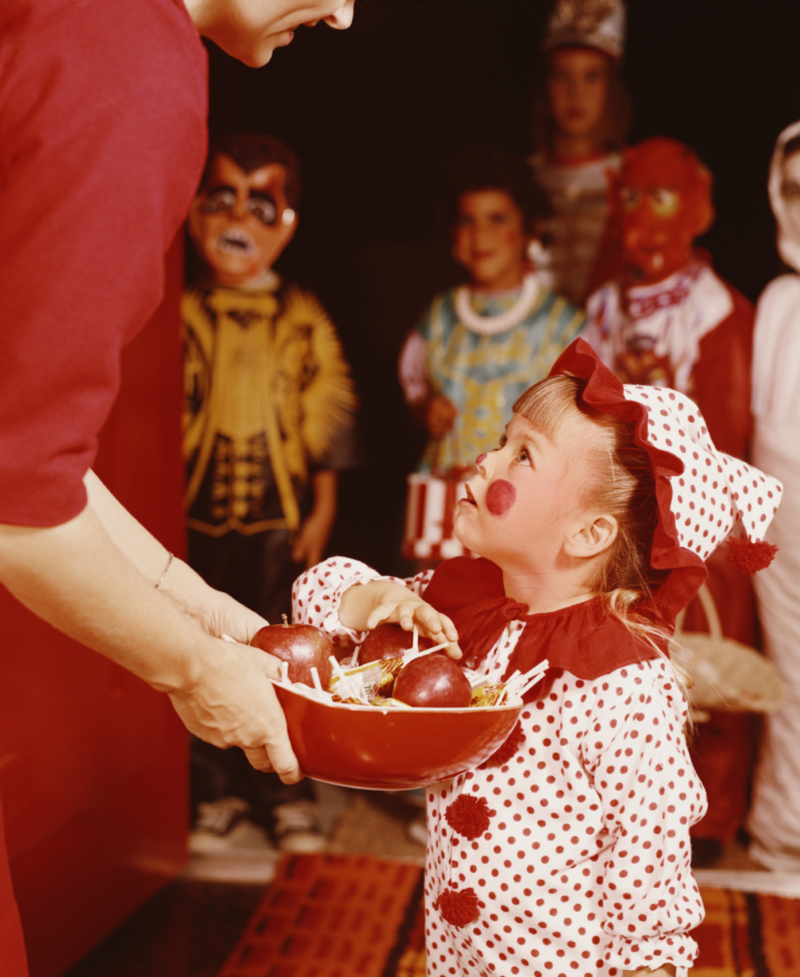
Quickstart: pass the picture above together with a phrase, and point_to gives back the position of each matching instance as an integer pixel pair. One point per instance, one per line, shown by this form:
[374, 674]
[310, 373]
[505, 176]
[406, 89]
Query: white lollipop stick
[315, 678]
[532, 678]
[429, 651]
[284, 673]
[415, 640]
[337, 668]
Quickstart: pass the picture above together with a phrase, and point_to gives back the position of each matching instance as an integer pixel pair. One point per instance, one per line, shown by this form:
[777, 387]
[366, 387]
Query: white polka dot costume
[567, 853]
[572, 857]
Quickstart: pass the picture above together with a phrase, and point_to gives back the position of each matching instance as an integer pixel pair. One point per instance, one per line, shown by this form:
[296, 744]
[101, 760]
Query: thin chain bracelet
[164, 572]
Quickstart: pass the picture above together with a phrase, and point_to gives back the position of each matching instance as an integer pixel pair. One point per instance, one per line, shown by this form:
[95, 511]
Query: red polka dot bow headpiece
[702, 493]
[715, 491]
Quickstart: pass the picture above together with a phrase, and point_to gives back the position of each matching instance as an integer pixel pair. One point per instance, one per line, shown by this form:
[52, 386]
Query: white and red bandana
[715, 490]
[702, 493]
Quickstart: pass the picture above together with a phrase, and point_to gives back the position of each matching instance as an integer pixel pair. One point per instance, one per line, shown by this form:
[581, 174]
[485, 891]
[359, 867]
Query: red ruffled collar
[583, 639]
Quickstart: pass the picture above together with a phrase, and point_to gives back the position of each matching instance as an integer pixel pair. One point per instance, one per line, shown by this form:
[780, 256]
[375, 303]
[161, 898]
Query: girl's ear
[592, 537]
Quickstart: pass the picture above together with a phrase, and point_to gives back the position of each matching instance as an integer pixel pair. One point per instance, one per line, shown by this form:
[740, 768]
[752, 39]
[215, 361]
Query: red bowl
[391, 749]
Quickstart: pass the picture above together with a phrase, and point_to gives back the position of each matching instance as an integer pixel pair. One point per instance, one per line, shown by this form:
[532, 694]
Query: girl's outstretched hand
[365, 606]
[411, 610]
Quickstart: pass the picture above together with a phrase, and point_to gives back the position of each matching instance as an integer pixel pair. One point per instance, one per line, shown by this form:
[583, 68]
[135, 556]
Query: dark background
[371, 110]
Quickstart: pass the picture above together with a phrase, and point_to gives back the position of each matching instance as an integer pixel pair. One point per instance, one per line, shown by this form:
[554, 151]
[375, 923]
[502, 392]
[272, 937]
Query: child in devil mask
[568, 851]
[669, 320]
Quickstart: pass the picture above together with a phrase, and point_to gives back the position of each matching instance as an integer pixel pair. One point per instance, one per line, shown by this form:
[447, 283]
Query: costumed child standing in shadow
[479, 346]
[568, 851]
[669, 320]
[774, 819]
[269, 423]
[580, 118]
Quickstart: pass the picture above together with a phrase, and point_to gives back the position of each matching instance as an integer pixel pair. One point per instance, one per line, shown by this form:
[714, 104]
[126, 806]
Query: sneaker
[223, 825]
[417, 829]
[296, 828]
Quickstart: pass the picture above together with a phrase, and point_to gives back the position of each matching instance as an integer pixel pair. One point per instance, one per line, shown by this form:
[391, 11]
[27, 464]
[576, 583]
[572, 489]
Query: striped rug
[359, 916]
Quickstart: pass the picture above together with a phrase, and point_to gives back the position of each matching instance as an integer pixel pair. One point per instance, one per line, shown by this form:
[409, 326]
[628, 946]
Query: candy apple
[302, 646]
[388, 641]
[434, 681]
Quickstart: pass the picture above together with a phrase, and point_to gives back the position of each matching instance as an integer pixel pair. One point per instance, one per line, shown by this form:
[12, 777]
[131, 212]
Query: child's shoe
[417, 829]
[223, 825]
[296, 828]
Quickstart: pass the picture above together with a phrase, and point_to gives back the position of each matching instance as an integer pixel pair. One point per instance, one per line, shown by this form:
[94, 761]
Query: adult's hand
[217, 613]
[232, 703]
[77, 577]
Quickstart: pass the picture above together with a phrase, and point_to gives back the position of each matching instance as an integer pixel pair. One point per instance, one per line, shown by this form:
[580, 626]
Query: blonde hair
[621, 485]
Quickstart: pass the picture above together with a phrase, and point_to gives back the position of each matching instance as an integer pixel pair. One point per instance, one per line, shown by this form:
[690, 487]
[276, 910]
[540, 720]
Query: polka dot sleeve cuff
[679, 950]
[318, 592]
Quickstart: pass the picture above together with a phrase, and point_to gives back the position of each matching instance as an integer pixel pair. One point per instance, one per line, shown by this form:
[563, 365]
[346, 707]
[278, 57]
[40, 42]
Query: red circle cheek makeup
[500, 496]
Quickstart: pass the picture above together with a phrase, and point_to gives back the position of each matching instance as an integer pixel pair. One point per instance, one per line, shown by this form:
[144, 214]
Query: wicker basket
[723, 673]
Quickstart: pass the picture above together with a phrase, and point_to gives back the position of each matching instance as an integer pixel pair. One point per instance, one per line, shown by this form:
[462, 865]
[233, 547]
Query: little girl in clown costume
[568, 851]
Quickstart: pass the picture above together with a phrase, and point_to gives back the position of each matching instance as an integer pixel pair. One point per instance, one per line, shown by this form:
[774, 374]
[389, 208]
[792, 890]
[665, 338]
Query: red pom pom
[469, 815]
[504, 753]
[458, 908]
[748, 556]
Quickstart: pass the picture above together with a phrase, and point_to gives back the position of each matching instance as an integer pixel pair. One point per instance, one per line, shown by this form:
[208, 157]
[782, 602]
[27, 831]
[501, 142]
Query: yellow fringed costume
[268, 398]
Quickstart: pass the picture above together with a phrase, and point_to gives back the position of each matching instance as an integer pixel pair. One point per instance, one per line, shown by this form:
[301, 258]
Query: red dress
[694, 332]
[102, 142]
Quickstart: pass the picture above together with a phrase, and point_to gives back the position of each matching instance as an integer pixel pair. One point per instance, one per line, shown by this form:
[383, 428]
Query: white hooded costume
[774, 820]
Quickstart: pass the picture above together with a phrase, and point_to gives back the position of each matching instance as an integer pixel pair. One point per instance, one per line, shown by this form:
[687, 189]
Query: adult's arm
[216, 612]
[77, 577]
[102, 126]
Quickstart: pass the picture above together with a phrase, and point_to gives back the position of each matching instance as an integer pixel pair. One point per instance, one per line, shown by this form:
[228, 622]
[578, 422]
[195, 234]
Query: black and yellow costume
[268, 401]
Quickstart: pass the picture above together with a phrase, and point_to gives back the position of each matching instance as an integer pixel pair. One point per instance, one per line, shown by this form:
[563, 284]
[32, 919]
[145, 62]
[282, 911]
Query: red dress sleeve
[102, 141]
[722, 378]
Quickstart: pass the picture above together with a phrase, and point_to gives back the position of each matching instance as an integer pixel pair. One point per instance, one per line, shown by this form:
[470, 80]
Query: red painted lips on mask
[500, 496]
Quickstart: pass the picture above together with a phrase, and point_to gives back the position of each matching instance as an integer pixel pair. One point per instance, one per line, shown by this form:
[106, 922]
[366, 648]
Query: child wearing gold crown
[580, 120]
[568, 851]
